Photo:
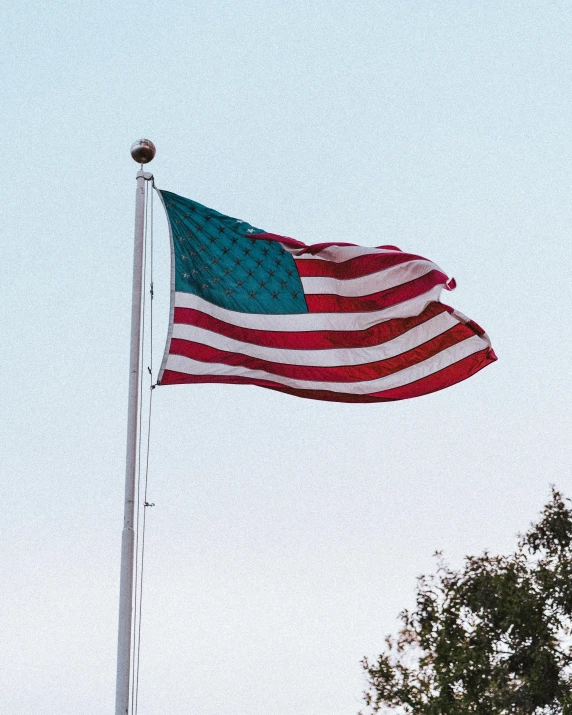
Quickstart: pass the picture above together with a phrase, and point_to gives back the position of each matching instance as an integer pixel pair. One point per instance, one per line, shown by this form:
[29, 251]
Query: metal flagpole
[143, 152]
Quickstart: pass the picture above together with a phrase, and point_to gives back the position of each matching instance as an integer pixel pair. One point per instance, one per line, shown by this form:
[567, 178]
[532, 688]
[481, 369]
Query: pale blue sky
[287, 534]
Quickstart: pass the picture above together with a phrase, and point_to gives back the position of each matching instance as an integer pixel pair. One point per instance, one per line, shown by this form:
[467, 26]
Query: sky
[287, 534]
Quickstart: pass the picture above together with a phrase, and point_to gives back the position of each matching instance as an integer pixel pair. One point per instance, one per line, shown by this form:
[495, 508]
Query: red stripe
[341, 373]
[323, 303]
[438, 381]
[310, 340]
[286, 240]
[353, 267]
[172, 377]
[313, 248]
[444, 378]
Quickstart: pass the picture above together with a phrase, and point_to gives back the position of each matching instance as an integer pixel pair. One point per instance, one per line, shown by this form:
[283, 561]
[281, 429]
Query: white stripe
[321, 358]
[372, 283]
[444, 359]
[337, 254]
[309, 321]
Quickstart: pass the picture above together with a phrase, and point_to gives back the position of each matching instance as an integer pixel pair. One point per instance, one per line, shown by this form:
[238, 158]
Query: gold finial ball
[143, 151]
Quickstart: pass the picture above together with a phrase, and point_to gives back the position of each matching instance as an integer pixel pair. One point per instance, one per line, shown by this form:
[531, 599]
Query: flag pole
[142, 152]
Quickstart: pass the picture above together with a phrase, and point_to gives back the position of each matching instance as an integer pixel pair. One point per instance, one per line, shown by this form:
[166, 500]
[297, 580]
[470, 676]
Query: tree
[491, 638]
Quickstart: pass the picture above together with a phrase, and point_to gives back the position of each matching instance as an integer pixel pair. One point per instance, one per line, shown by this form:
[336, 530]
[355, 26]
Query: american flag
[329, 321]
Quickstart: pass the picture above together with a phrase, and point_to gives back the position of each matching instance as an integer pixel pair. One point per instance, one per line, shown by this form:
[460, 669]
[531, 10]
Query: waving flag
[330, 321]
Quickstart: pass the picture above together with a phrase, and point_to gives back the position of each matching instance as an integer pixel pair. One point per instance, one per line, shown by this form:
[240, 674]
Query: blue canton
[218, 259]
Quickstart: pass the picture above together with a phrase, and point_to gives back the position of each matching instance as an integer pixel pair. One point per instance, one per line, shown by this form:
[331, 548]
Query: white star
[250, 230]
[186, 275]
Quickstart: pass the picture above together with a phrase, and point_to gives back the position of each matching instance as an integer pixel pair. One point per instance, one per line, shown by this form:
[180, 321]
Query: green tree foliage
[491, 638]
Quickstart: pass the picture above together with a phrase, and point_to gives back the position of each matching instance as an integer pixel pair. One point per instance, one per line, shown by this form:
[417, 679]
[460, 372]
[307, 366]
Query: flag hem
[172, 295]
